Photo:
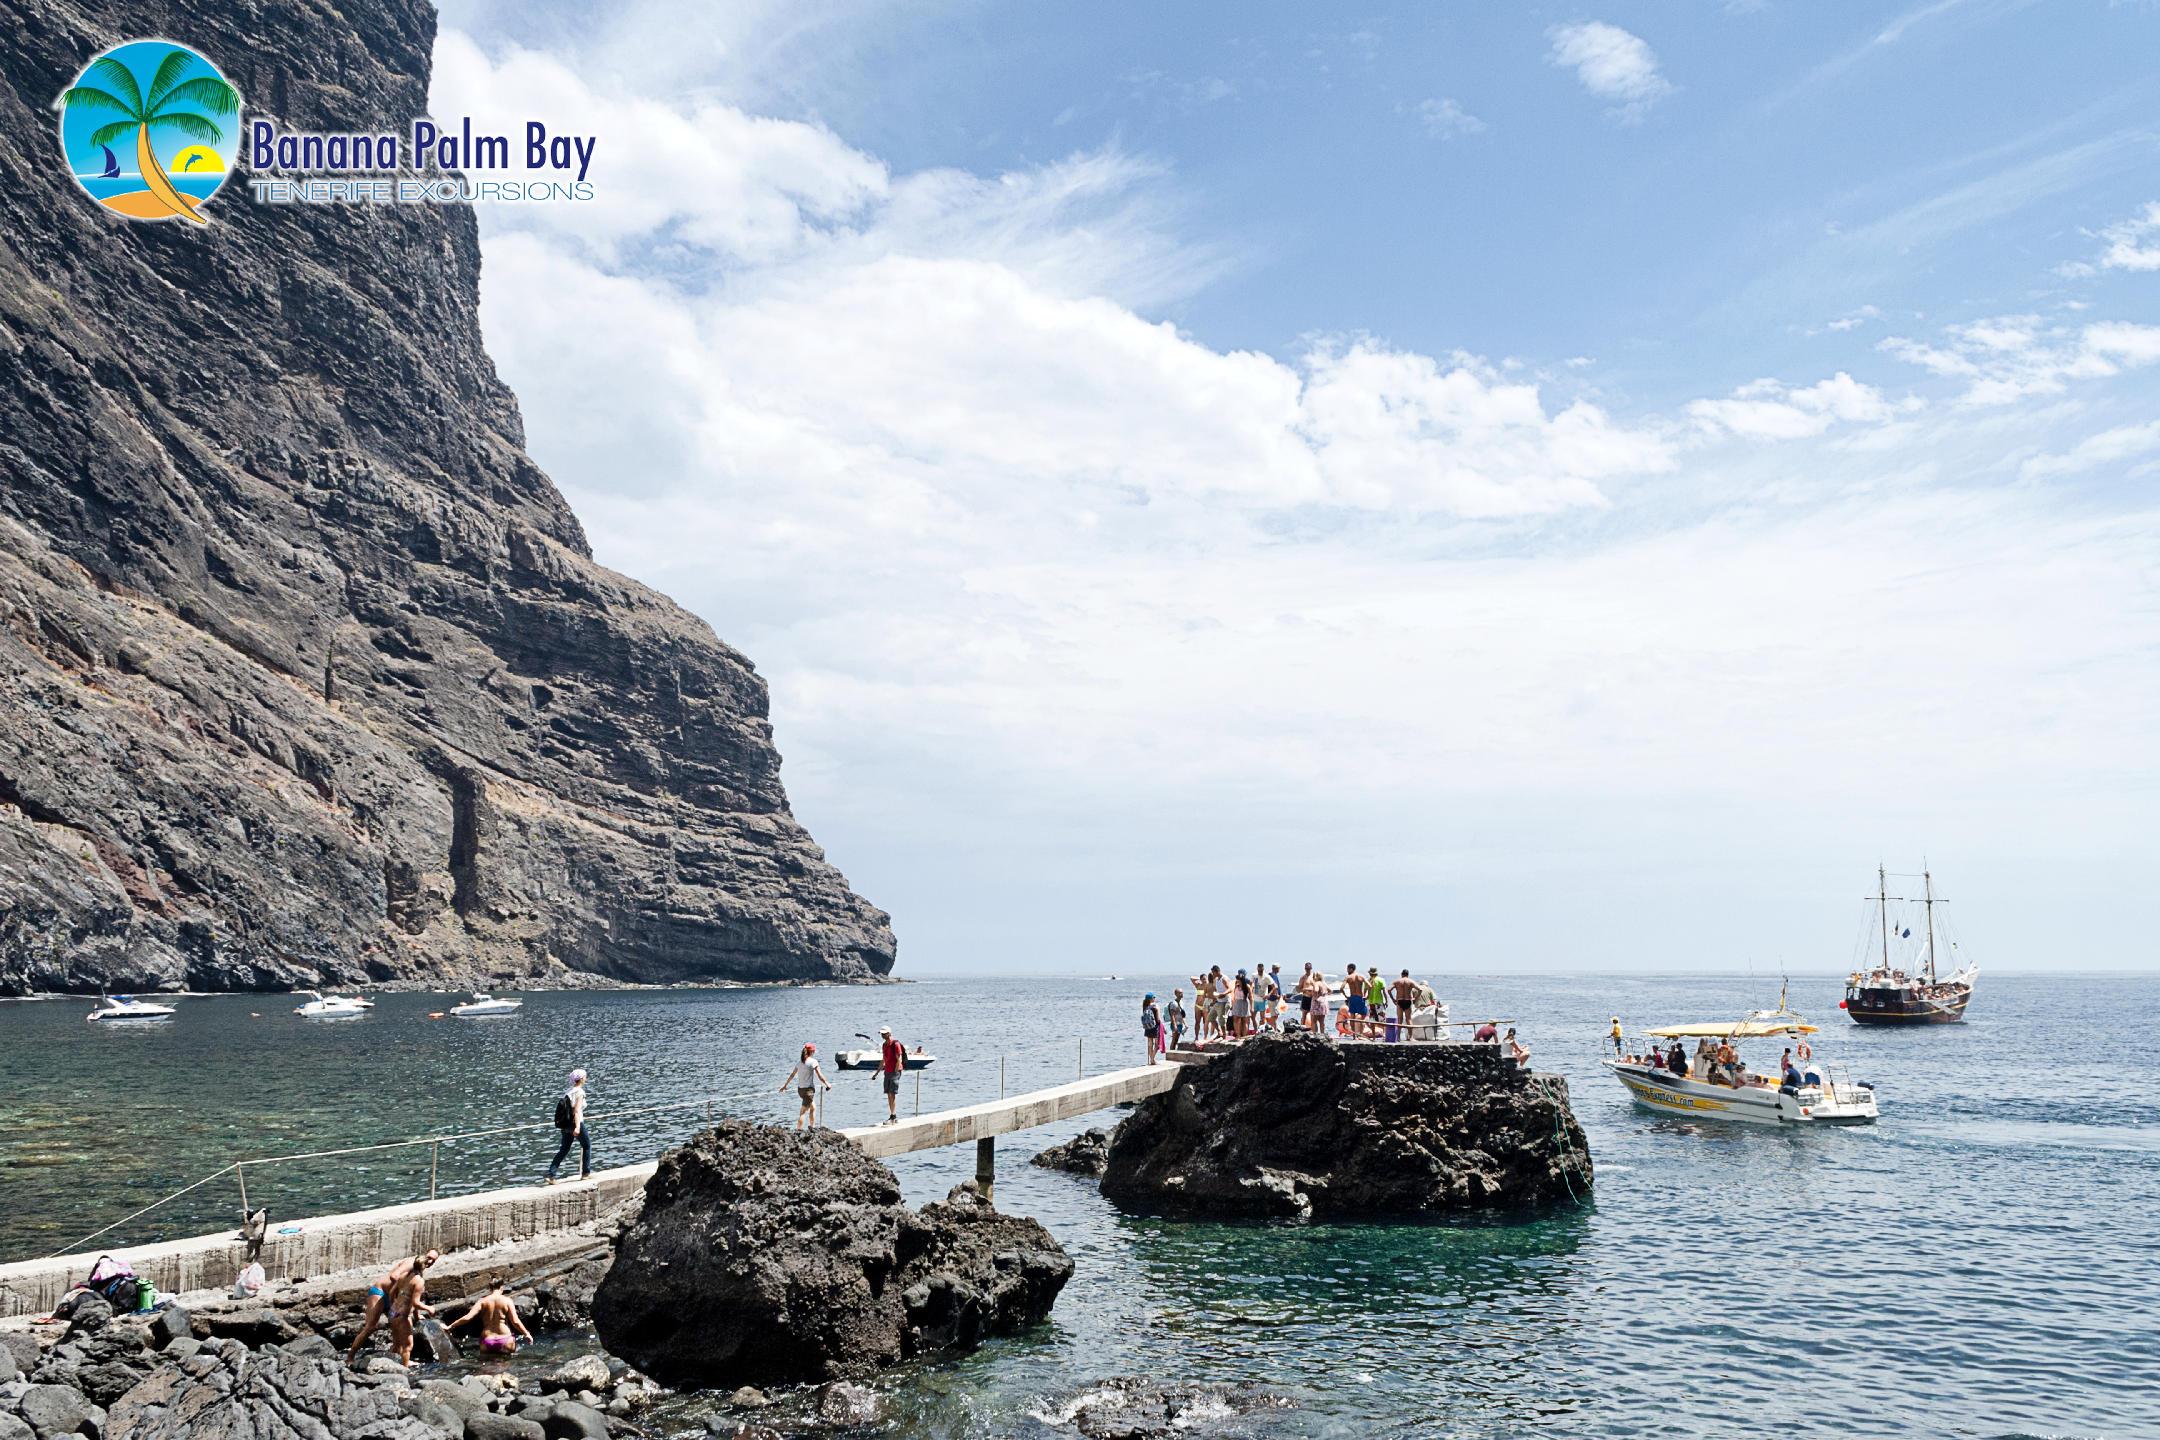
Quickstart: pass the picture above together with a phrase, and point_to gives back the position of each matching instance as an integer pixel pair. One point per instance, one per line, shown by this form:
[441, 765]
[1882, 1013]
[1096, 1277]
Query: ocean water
[1985, 1261]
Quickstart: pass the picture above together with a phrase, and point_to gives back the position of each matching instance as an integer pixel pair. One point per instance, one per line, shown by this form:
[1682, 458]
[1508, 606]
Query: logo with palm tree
[169, 112]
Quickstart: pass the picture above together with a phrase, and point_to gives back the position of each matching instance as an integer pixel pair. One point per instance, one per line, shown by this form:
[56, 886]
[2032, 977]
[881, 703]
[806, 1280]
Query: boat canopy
[1737, 1029]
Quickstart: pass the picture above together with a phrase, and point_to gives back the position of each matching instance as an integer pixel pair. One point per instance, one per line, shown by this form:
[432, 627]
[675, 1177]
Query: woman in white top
[806, 1077]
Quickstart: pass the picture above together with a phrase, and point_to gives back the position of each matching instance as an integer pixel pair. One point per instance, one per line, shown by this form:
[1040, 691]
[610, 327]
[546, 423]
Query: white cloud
[2133, 244]
[1445, 119]
[1771, 410]
[1612, 64]
[2011, 358]
[1032, 573]
[2125, 442]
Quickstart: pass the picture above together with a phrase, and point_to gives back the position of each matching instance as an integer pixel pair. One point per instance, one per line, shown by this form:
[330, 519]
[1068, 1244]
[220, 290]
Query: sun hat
[884, 1029]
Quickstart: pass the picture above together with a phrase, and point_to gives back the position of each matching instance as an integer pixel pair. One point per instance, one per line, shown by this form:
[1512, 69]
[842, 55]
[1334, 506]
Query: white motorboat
[873, 1060]
[331, 1007]
[483, 1005]
[1704, 1089]
[127, 1007]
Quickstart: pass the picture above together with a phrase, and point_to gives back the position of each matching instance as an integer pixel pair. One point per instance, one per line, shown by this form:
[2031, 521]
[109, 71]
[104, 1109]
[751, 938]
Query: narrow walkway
[367, 1238]
[1016, 1112]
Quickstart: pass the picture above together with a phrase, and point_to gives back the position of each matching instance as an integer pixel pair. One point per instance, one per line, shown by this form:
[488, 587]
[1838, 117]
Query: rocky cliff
[306, 670]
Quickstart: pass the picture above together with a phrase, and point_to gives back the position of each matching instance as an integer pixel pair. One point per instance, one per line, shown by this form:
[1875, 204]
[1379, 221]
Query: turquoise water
[1983, 1262]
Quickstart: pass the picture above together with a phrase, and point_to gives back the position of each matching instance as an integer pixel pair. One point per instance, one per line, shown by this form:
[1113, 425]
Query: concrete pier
[369, 1238]
[1018, 1112]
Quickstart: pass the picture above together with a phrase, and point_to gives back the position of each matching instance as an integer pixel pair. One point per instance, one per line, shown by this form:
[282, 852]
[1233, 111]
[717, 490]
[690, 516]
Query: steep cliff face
[306, 670]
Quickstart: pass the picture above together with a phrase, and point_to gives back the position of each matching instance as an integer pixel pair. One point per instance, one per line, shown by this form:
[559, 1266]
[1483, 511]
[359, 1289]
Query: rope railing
[238, 1168]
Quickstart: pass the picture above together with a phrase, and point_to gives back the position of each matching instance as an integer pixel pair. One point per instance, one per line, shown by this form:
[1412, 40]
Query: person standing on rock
[570, 1120]
[805, 1079]
[892, 1060]
[1151, 1028]
[1404, 991]
[496, 1314]
[1353, 986]
[380, 1297]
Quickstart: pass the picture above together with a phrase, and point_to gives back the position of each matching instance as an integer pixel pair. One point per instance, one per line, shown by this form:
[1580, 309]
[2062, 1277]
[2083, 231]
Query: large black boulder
[1297, 1126]
[767, 1256]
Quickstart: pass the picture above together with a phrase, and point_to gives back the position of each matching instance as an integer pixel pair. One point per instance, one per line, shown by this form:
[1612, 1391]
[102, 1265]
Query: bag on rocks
[115, 1280]
[250, 1280]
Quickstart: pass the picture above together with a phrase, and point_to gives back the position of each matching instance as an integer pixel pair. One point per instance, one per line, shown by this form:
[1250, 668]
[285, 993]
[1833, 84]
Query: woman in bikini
[497, 1316]
[380, 1304]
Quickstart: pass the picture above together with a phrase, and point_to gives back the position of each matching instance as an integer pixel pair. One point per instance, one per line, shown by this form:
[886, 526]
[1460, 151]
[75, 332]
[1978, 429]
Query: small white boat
[127, 1007]
[872, 1060]
[484, 1004]
[1822, 1095]
[331, 1007]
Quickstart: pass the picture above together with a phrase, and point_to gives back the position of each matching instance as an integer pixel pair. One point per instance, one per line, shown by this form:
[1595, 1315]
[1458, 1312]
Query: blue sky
[1492, 487]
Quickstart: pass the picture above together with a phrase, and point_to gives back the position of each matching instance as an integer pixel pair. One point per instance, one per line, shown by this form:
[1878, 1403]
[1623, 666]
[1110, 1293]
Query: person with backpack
[1151, 1031]
[570, 1120]
[892, 1062]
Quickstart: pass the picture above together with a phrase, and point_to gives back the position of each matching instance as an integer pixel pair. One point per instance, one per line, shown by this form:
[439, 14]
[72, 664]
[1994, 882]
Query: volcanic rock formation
[768, 1256]
[1294, 1125]
[307, 672]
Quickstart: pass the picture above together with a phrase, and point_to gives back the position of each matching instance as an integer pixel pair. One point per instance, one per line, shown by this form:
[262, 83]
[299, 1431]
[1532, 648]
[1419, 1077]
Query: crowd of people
[1359, 1005]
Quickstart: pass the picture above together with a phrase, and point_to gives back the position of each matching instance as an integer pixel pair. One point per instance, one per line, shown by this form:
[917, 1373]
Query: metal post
[986, 1166]
[434, 1159]
[1001, 1077]
[918, 1092]
[1083, 1059]
[241, 1175]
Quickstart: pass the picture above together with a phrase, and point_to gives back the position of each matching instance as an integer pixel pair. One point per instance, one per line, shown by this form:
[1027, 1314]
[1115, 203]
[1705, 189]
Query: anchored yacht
[483, 1004]
[331, 1007]
[127, 1007]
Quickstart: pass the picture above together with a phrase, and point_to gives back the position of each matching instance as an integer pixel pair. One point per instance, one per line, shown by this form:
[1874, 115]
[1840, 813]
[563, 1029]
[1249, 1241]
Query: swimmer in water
[496, 1314]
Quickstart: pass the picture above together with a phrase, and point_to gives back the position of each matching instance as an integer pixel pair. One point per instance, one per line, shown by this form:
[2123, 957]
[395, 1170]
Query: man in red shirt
[892, 1060]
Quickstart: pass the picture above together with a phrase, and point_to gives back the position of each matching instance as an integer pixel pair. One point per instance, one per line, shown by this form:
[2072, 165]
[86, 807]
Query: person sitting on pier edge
[892, 1060]
[1517, 1051]
[570, 1120]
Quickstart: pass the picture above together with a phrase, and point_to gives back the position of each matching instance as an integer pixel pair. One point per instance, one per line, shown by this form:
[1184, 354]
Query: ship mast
[1882, 907]
[1929, 881]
